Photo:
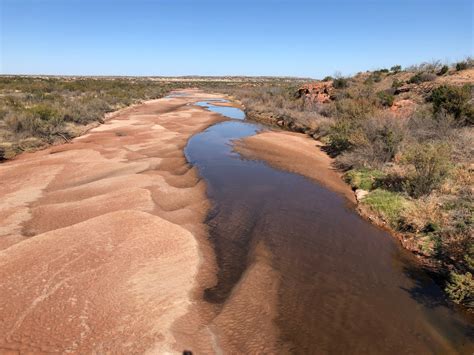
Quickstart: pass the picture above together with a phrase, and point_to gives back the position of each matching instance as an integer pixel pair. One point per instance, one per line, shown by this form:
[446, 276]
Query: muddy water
[345, 286]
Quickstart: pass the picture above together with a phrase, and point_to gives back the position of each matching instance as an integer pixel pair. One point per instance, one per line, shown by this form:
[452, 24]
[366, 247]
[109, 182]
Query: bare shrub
[422, 77]
[375, 142]
[422, 126]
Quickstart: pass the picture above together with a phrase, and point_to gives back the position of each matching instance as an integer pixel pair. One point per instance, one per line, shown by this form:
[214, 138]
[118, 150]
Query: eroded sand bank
[102, 241]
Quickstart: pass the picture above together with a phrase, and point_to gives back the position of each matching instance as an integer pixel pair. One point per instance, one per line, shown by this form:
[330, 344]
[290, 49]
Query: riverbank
[103, 245]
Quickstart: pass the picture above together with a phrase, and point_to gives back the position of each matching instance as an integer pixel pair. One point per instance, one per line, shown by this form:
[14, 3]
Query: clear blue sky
[259, 37]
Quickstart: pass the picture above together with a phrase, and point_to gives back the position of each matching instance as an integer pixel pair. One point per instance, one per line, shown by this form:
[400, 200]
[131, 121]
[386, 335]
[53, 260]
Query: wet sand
[102, 242]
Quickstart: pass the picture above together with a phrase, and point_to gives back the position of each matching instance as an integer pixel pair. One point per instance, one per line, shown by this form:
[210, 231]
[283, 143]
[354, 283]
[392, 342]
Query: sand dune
[102, 241]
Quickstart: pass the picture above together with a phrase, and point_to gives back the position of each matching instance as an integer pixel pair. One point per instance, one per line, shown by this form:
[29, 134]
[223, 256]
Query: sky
[261, 37]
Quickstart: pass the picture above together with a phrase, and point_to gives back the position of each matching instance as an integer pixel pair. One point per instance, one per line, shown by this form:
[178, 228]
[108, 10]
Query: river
[344, 285]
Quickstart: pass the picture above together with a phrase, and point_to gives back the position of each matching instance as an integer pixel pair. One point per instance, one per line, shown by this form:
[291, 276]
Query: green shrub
[443, 70]
[422, 77]
[340, 83]
[461, 288]
[385, 98]
[339, 136]
[381, 140]
[396, 68]
[394, 182]
[389, 205]
[328, 78]
[374, 77]
[453, 100]
[355, 109]
[23, 122]
[44, 112]
[462, 66]
[86, 110]
[385, 142]
[397, 83]
[431, 165]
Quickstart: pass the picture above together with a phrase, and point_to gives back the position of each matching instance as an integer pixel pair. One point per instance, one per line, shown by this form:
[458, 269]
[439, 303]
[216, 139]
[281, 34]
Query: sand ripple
[103, 246]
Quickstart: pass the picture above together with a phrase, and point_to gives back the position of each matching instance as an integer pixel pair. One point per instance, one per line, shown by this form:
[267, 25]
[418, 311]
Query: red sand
[102, 241]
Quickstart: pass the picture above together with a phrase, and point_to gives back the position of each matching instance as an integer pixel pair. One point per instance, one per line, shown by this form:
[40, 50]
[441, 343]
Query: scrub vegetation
[35, 112]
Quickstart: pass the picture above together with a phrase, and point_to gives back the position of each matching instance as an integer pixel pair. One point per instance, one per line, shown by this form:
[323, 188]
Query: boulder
[361, 194]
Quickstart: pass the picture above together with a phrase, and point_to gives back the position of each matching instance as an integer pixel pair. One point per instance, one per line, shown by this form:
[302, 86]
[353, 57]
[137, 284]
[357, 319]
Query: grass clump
[387, 204]
[363, 178]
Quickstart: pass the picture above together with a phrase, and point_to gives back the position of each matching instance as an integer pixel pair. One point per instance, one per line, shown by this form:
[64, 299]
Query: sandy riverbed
[102, 241]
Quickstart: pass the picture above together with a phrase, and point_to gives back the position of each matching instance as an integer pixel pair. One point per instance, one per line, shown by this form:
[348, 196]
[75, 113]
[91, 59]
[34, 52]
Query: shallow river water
[345, 286]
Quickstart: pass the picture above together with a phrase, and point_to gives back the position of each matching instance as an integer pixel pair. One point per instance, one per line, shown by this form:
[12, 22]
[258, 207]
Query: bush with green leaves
[370, 143]
[461, 288]
[422, 77]
[396, 68]
[430, 165]
[397, 83]
[444, 69]
[357, 109]
[340, 83]
[386, 99]
[454, 100]
[384, 137]
[462, 66]
[339, 136]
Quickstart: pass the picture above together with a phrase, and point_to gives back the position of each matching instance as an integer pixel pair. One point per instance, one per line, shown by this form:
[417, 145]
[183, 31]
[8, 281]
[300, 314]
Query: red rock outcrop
[317, 92]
